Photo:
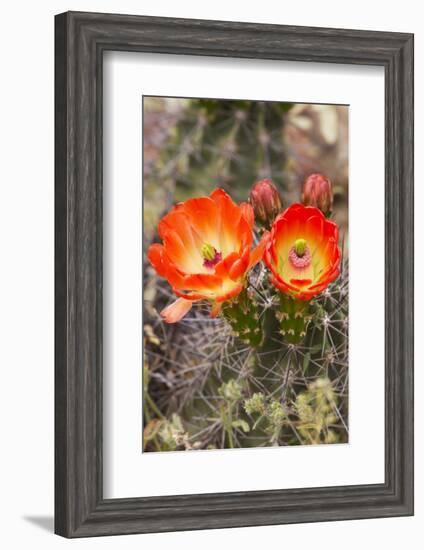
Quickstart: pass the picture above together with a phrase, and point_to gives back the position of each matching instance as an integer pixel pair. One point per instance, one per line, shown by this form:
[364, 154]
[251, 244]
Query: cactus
[270, 369]
[222, 143]
[242, 314]
[228, 393]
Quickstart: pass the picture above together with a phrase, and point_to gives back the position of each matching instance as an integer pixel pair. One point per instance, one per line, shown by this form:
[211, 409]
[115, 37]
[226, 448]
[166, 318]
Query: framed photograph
[234, 274]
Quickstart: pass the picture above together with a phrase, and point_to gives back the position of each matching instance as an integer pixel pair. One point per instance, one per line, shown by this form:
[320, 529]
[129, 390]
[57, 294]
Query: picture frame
[80, 41]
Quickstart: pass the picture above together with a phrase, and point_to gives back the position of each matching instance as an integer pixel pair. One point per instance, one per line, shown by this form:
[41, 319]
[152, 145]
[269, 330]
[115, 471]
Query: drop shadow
[43, 522]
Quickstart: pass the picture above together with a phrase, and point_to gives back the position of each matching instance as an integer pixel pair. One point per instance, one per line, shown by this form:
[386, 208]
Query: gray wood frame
[80, 40]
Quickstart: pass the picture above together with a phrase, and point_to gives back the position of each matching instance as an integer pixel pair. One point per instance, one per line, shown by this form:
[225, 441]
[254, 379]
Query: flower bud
[266, 202]
[317, 192]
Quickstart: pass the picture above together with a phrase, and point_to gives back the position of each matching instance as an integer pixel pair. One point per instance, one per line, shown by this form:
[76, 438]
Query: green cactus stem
[232, 143]
[293, 316]
[243, 316]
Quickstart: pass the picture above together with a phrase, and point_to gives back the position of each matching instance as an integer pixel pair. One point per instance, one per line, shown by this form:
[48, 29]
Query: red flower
[317, 191]
[206, 251]
[266, 202]
[302, 252]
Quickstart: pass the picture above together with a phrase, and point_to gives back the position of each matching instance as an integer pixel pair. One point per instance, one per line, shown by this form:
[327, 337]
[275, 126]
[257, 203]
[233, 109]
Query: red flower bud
[266, 202]
[317, 192]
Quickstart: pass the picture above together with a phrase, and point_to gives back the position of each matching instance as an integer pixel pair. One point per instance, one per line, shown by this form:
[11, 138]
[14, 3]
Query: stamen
[211, 255]
[208, 251]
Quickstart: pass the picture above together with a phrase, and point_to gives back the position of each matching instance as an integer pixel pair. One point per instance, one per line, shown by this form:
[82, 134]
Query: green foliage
[316, 409]
[255, 404]
[231, 391]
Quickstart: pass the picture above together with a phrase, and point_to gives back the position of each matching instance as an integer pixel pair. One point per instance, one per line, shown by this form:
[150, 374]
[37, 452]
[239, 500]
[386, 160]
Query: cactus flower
[317, 192]
[302, 252]
[266, 202]
[206, 251]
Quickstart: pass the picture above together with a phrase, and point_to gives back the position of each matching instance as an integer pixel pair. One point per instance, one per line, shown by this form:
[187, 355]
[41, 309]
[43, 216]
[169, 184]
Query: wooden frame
[81, 39]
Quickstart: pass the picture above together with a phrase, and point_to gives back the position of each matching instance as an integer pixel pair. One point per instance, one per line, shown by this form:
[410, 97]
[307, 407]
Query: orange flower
[206, 251]
[302, 251]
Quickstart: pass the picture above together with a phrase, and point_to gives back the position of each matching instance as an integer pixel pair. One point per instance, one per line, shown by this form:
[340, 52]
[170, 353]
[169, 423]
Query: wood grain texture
[81, 39]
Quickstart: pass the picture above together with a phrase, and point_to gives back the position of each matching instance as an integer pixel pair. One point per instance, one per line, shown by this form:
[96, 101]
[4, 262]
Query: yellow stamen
[208, 251]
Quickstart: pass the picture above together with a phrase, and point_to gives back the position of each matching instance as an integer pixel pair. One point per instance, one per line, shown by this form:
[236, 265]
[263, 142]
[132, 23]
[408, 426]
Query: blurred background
[192, 146]
[196, 374]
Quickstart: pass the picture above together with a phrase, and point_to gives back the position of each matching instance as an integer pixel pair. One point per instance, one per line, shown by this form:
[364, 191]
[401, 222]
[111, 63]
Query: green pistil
[300, 247]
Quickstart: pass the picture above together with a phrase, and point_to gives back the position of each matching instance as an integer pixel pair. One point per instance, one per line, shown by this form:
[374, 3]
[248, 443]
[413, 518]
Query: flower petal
[231, 293]
[247, 213]
[258, 252]
[163, 266]
[201, 214]
[184, 257]
[216, 308]
[155, 256]
[308, 223]
[192, 296]
[178, 221]
[230, 223]
[176, 311]
[217, 221]
[208, 282]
